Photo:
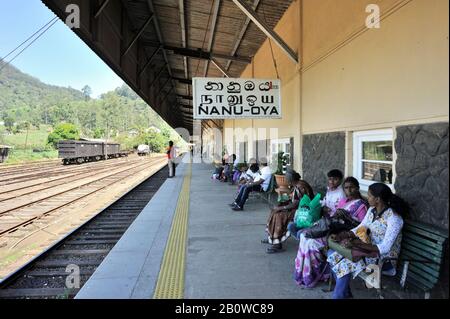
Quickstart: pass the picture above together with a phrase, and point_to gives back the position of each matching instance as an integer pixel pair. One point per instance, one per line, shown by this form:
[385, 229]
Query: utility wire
[47, 26]
[4, 58]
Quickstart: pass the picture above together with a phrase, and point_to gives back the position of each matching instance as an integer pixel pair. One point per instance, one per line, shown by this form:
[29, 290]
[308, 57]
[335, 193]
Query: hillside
[24, 98]
[20, 90]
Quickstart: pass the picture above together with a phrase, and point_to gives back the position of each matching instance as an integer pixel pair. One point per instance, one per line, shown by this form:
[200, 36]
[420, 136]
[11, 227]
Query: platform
[220, 257]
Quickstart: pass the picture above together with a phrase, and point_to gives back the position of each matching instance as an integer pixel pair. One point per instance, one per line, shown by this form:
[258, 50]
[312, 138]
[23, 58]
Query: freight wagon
[78, 152]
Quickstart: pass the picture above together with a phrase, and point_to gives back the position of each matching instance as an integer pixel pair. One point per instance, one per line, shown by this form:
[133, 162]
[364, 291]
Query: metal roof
[158, 46]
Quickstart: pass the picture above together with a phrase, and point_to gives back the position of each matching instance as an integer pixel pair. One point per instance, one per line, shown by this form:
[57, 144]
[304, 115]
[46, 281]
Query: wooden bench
[419, 264]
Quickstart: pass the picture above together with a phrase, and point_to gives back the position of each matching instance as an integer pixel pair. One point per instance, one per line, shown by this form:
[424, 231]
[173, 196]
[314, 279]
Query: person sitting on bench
[260, 183]
[335, 192]
[281, 215]
[384, 222]
[311, 262]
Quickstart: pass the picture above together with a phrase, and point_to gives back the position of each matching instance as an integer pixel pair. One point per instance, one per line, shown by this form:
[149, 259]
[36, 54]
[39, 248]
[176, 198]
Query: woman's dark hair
[391, 200]
[352, 180]
[254, 167]
[355, 182]
[292, 176]
[170, 143]
[335, 173]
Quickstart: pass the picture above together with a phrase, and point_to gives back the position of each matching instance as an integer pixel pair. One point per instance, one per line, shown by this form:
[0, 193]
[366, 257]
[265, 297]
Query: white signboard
[226, 98]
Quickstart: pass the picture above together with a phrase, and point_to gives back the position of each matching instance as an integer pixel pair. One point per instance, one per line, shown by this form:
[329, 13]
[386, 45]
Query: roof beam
[199, 53]
[185, 97]
[157, 76]
[150, 60]
[183, 35]
[167, 94]
[212, 33]
[158, 33]
[102, 7]
[241, 35]
[249, 12]
[220, 68]
[136, 37]
[183, 81]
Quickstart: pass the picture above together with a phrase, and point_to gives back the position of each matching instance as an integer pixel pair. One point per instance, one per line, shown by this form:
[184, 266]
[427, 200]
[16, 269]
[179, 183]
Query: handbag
[342, 222]
[354, 253]
[319, 229]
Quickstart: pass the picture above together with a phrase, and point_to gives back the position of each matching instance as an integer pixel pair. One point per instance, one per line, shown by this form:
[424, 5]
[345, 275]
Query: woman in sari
[283, 214]
[382, 224]
[310, 263]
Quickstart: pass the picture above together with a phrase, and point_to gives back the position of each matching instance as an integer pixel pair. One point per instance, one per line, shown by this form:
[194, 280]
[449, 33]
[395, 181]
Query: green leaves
[63, 131]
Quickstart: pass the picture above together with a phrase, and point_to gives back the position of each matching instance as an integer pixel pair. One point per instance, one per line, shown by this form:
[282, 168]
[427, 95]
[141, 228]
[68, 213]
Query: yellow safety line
[170, 283]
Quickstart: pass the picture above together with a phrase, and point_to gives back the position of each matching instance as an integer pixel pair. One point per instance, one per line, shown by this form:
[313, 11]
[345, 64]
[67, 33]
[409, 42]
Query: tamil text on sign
[226, 98]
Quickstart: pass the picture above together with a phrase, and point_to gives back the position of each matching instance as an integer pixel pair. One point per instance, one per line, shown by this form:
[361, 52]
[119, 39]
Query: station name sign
[226, 98]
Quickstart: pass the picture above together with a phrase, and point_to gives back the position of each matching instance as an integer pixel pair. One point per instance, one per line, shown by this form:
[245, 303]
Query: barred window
[373, 159]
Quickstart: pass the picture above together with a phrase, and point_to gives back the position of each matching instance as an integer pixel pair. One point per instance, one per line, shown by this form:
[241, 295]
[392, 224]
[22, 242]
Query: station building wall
[353, 79]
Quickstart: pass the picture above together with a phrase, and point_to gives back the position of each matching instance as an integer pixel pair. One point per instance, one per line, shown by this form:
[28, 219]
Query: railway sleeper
[64, 263]
[38, 292]
[81, 252]
[90, 242]
[56, 273]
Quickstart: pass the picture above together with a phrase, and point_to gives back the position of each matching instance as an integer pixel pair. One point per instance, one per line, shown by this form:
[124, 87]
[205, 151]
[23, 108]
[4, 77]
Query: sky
[59, 57]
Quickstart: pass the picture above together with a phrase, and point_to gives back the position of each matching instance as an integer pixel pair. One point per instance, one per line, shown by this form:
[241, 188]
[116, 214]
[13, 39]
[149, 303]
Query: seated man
[260, 183]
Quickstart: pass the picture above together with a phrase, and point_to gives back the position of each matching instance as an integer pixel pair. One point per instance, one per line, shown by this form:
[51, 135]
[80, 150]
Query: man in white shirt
[260, 183]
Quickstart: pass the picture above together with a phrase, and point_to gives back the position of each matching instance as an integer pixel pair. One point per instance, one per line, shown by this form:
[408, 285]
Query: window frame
[371, 136]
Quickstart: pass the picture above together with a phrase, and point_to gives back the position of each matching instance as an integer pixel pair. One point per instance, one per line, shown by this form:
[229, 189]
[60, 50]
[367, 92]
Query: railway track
[46, 172]
[15, 214]
[15, 190]
[84, 248]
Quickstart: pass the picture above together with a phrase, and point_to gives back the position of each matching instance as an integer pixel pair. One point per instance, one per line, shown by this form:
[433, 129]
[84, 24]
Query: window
[373, 160]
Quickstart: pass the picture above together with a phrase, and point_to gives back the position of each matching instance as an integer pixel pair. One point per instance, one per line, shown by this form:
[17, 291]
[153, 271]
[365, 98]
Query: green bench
[422, 256]
[267, 194]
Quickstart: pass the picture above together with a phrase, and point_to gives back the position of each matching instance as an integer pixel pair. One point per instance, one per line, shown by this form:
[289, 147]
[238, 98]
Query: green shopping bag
[308, 212]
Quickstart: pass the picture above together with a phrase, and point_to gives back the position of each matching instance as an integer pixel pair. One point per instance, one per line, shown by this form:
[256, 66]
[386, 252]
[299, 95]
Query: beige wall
[386, 76]
[352, 78]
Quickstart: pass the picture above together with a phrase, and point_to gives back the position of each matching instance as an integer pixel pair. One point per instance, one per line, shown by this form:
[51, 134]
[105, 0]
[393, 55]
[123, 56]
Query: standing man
[171, 156]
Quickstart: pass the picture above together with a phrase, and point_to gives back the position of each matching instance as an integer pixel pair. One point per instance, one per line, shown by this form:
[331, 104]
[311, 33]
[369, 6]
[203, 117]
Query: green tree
[9, 123]
[87, 91]
[63, 131]
[99, 133]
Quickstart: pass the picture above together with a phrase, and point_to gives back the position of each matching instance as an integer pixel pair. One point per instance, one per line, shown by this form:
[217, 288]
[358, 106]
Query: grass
[20, 156]
[34, 149]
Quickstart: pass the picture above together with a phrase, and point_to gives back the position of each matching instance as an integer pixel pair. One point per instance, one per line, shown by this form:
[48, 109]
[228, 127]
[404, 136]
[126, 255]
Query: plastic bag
[308, 212]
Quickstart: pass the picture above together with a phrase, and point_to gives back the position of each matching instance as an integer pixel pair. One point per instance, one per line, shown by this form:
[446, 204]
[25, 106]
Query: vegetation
[63, 131]
[279, 162]
[34, 116]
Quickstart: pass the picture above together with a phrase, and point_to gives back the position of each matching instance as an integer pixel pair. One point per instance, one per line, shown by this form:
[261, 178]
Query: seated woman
[384, 223]
[240, 172]
[310, 264]
[281, 215]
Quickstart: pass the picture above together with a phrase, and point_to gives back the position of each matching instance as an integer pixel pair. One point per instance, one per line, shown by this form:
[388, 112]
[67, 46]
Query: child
[335, 192]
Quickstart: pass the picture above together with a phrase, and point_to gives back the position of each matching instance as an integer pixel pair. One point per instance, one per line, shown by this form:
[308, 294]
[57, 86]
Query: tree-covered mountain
[24, 98]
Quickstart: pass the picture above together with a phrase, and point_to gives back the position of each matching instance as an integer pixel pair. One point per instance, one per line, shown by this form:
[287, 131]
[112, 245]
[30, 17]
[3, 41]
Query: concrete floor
[225, 257]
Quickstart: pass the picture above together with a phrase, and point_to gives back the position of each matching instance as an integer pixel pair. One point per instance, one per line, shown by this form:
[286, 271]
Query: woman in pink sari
[311, 262]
